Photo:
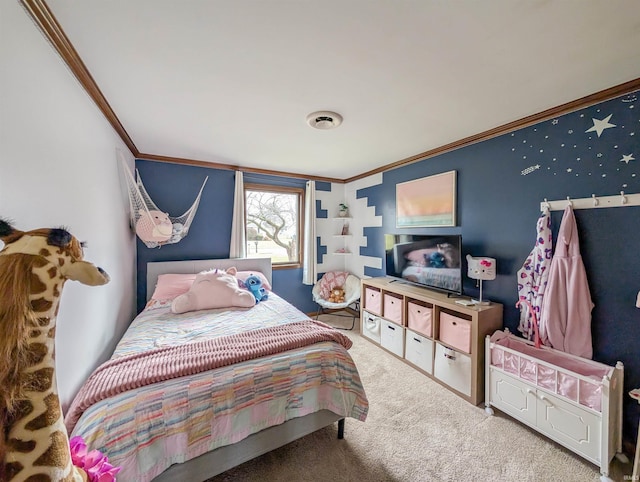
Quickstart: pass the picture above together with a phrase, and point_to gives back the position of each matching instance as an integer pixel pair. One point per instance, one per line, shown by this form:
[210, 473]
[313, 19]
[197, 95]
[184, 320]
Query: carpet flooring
[418, 431]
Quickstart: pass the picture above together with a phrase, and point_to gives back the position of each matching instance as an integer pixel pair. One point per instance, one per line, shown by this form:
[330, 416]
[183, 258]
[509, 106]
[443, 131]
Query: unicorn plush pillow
[213, 289]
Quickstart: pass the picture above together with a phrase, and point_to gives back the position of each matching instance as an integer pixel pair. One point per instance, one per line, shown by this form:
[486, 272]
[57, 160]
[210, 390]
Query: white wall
[363, 216]
[58, 167]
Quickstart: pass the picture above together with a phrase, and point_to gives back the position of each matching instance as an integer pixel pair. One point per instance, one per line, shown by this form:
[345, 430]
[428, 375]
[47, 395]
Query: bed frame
[224, 458]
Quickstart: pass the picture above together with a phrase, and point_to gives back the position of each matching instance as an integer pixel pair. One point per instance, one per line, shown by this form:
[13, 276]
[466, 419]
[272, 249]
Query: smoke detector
[324, 119]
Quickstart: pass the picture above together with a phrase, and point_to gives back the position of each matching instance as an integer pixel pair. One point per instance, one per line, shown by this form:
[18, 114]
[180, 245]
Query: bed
[196, 426]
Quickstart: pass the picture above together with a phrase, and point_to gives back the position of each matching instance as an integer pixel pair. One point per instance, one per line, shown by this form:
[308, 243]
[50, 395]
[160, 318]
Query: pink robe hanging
[565, 323]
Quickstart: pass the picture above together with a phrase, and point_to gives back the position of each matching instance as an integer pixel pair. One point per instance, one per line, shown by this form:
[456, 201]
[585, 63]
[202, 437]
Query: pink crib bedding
[147, 429]
[574, 378]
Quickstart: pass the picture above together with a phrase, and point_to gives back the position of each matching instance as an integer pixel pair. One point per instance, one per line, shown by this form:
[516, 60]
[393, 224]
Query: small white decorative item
[343, 212]
[481, 268]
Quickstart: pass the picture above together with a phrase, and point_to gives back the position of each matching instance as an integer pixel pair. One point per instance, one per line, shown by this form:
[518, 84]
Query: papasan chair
[351, 285]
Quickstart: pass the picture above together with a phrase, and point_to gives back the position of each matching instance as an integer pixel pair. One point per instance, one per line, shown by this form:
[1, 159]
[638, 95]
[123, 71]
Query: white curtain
[238, 247]
[309, 274]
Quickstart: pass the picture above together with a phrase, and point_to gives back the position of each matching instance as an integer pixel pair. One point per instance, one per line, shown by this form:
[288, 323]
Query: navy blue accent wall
[500, 184]
[174, 187]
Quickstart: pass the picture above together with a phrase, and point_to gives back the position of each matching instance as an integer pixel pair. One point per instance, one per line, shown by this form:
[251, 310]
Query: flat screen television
[431, 261]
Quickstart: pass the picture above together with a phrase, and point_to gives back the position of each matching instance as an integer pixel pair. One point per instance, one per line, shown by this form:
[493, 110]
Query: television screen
[432, 261]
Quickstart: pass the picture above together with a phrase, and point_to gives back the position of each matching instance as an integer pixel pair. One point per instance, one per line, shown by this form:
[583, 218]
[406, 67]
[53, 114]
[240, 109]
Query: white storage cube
[392, 337]
[453, 368]
[371, 326]
[419, 351]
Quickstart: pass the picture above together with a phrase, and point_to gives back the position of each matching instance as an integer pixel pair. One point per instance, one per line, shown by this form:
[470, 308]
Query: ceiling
[232, 81]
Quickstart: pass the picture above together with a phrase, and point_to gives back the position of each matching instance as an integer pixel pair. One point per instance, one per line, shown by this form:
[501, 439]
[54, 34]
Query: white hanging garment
[533, 276]
[154, 227]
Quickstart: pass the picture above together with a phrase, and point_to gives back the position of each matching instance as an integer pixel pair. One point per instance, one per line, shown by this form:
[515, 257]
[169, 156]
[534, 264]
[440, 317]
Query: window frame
[300, 228]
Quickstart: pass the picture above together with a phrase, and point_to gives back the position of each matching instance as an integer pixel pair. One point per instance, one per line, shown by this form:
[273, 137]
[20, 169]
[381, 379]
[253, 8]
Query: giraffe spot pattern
[39, 262]
[22, 446]
[52, 272]
[49, 416]
[57, 455]
[37, 286]
[41, 305]
[34, 333]
[45, 252]
[43, 322]
[38, 478]
[39, 380]
[37, 353]
[12, 469]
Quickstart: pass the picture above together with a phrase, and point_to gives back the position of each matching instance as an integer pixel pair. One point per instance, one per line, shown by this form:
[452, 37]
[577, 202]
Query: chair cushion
[330, 280]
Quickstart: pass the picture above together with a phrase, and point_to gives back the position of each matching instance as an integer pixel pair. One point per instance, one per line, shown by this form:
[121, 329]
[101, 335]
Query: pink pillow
[243, 275]
[171, 285]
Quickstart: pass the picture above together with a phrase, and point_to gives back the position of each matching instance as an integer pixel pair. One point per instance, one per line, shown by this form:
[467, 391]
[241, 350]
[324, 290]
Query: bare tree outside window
[273, 223]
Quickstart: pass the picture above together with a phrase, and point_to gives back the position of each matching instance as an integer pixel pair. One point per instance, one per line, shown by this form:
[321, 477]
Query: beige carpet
[418, 431]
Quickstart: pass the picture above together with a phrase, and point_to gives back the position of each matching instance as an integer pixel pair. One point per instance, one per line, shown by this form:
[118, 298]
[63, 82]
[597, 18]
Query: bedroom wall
[58, 167]
[500, 184]
[173, 188]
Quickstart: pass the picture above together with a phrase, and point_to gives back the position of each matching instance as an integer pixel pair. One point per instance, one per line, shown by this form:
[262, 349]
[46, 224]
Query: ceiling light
[324, 119]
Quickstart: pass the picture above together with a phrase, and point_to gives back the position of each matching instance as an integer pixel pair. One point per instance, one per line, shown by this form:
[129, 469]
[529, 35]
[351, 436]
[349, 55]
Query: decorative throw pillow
[170, 286]
[213, 289]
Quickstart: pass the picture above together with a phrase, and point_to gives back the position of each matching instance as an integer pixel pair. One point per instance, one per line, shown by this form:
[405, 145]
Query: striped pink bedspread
[128, 372]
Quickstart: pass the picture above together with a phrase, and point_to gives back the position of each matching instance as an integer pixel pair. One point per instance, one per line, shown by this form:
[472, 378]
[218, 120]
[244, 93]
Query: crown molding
[46, 21]
[572, 106]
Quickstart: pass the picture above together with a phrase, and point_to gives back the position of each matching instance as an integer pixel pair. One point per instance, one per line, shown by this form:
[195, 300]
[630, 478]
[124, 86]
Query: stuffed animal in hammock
[154, 226]
[34, 266]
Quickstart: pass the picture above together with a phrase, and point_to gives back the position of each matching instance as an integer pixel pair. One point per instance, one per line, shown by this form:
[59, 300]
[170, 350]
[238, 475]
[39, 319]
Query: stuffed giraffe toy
[34, 266]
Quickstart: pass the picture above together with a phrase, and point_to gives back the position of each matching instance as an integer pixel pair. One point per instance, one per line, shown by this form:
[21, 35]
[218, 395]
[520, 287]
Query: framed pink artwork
[427, 202]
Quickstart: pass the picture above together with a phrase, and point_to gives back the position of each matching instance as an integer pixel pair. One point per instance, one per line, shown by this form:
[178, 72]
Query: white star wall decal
[627, 157]
[600, 125]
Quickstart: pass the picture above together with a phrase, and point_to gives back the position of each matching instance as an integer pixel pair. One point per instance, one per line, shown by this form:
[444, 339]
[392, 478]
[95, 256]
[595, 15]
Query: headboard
[156, 268]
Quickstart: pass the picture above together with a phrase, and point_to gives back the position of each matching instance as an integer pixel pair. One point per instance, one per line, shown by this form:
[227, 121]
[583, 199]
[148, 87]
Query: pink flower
[94, 463]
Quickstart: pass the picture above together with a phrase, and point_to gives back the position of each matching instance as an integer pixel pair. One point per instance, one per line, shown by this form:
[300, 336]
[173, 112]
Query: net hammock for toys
[154, 227]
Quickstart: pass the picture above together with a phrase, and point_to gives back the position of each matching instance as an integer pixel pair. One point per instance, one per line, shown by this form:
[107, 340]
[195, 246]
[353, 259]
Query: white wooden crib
[574, 401]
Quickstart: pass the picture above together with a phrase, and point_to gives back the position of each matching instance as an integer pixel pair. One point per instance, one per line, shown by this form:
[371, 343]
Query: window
[274, 223]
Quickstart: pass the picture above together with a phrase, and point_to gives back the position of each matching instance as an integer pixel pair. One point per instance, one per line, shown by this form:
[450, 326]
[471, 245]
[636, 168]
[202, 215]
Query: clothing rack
[593, 202]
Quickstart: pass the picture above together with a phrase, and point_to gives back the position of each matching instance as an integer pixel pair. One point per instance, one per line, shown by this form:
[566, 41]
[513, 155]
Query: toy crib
[574, 401]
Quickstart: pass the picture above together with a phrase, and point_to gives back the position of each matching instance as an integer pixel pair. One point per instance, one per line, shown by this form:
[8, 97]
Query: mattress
[147, 429]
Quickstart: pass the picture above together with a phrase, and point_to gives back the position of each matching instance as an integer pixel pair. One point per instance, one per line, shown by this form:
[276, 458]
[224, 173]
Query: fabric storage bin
[371, 326]
[455, 331]
[453, 368]
[373, 300]
[392, 308]
[419, 318]
[392, 337]
[418, 350]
